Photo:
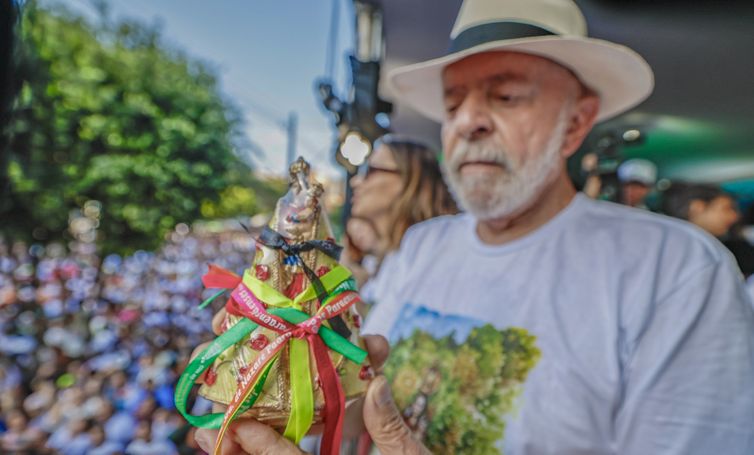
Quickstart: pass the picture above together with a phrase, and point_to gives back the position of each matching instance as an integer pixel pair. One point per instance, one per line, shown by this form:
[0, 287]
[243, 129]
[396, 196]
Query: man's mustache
[471, 152]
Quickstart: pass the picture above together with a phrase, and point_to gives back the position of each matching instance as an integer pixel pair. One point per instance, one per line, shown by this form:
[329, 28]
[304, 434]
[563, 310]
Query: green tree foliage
[8, 87]
[107, 113]
[469, 387]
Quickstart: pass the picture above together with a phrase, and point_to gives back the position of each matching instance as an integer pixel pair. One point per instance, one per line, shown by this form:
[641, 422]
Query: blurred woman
[707, 206]
[715, 211]
[401, 185]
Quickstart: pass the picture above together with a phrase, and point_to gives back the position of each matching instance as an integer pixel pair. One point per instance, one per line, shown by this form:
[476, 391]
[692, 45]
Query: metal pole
[291, 128]
[347, 202]
[332, 41]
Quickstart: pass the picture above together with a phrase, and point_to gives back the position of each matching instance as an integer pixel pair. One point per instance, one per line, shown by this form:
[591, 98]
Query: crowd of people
[706, 205]
[615, 330]
[91, 347]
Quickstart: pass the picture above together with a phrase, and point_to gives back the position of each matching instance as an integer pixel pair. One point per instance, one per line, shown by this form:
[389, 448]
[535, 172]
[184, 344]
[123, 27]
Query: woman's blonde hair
[424, 194]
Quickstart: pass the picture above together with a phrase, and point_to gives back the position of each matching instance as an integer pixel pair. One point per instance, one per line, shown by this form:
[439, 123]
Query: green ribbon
[211, 299]
[234, 335]
[204, 360]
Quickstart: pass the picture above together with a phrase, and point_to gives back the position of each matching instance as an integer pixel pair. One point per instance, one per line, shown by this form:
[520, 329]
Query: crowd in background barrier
[91, 348]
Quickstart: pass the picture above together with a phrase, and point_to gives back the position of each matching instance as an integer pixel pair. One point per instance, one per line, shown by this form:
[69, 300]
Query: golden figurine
[299, 218]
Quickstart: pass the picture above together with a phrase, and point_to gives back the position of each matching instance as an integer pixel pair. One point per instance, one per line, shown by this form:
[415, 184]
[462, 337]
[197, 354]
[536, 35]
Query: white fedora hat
[553, 29]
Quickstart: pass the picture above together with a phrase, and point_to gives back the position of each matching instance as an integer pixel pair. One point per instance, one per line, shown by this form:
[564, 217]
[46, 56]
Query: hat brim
[620, 76]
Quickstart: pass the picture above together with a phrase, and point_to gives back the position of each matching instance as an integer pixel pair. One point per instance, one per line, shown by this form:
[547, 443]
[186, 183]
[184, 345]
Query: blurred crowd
[91, 347]
[706, 205]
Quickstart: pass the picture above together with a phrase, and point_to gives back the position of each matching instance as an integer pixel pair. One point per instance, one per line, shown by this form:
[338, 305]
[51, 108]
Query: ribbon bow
[272, 239]
[303, 333]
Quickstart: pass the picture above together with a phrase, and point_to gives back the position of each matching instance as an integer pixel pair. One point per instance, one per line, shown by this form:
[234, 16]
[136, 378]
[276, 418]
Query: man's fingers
[353, 423]
[205, 438]
[385, 423]
[217, 321]
[378, 349]
[247, 436]
[258, 439]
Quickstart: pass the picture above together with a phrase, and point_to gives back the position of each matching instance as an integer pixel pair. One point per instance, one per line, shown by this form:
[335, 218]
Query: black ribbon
[494, 31]
[272, 239]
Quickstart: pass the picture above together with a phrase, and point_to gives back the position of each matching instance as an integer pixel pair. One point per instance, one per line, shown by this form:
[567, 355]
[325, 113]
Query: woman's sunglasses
[368, 170]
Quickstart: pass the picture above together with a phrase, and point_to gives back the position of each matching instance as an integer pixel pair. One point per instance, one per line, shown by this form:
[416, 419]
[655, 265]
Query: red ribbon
[218, 277]
[335, 398]
[244, 303]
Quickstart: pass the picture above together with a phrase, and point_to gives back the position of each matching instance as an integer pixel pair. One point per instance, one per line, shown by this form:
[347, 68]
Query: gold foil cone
[274, 403]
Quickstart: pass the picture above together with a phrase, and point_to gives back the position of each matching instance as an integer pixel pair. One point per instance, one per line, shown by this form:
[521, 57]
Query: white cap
[638, 170]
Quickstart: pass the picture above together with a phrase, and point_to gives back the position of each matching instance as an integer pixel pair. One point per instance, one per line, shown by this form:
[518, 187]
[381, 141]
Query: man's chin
[487, 205]
[482, 206]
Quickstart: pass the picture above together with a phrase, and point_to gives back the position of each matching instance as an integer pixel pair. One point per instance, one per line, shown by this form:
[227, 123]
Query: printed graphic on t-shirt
[456, 378]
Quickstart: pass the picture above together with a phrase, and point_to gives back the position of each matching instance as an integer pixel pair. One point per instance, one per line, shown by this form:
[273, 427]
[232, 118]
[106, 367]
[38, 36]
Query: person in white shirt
[144, 444]
[540, 321]
[637, 178]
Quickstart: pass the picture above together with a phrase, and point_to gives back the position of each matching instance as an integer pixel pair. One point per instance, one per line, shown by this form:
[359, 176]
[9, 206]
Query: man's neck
[547, 205]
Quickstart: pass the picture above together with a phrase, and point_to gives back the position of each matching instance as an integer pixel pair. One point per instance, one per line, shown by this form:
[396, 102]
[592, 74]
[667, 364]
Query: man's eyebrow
[495, 79]
[450, 91]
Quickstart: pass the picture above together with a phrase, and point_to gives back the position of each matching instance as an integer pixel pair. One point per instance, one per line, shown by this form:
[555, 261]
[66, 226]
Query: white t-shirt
[609, 330]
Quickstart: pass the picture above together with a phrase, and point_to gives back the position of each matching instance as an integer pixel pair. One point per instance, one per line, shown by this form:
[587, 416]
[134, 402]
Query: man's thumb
[385, 423]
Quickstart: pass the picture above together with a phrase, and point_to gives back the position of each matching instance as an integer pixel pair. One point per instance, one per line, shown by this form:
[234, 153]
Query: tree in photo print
[455, 395]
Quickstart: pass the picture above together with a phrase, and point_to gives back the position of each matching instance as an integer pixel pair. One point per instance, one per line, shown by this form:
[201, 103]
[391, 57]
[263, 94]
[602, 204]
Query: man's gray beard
[491, 196]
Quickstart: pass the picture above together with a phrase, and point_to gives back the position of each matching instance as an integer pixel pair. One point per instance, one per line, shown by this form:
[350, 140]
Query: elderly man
[540, 321]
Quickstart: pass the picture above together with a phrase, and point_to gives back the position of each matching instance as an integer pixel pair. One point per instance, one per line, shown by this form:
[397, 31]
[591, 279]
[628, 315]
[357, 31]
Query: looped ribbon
[304, 334]
[272, 239]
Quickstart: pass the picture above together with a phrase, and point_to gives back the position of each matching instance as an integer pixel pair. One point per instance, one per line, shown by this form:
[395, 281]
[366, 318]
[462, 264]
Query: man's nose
[473, 119]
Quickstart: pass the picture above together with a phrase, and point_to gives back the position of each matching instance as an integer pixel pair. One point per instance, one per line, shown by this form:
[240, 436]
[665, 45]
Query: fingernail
[384, 396]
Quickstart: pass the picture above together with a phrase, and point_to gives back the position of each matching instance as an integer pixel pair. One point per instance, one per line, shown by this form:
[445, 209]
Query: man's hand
[247, 436]
[381, 417]
[385, 423]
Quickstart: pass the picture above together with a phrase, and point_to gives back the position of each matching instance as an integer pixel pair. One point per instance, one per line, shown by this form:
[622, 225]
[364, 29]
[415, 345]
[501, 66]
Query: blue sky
[267, 54]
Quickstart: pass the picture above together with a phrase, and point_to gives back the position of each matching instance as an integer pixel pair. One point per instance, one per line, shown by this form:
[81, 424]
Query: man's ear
[580, 122]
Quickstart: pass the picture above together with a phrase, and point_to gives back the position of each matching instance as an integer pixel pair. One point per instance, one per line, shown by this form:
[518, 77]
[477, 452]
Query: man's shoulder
[638, 228]
[436, 228]
[622, 217]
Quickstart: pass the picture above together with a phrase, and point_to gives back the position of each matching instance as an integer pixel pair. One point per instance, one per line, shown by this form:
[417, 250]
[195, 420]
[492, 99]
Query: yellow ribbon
[273, 297]
[302, 393]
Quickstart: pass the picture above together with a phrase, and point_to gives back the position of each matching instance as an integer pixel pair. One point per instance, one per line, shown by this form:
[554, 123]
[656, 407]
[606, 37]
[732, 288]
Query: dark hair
[677, 199]
[424, 193]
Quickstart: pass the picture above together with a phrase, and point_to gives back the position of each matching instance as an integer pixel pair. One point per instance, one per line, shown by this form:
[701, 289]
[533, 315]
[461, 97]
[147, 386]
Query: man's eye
[506, 98]
[451, 108]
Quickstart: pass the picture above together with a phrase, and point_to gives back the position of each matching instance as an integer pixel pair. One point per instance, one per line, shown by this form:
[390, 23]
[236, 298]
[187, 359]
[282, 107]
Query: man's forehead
[498, 66]
[456, 84]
